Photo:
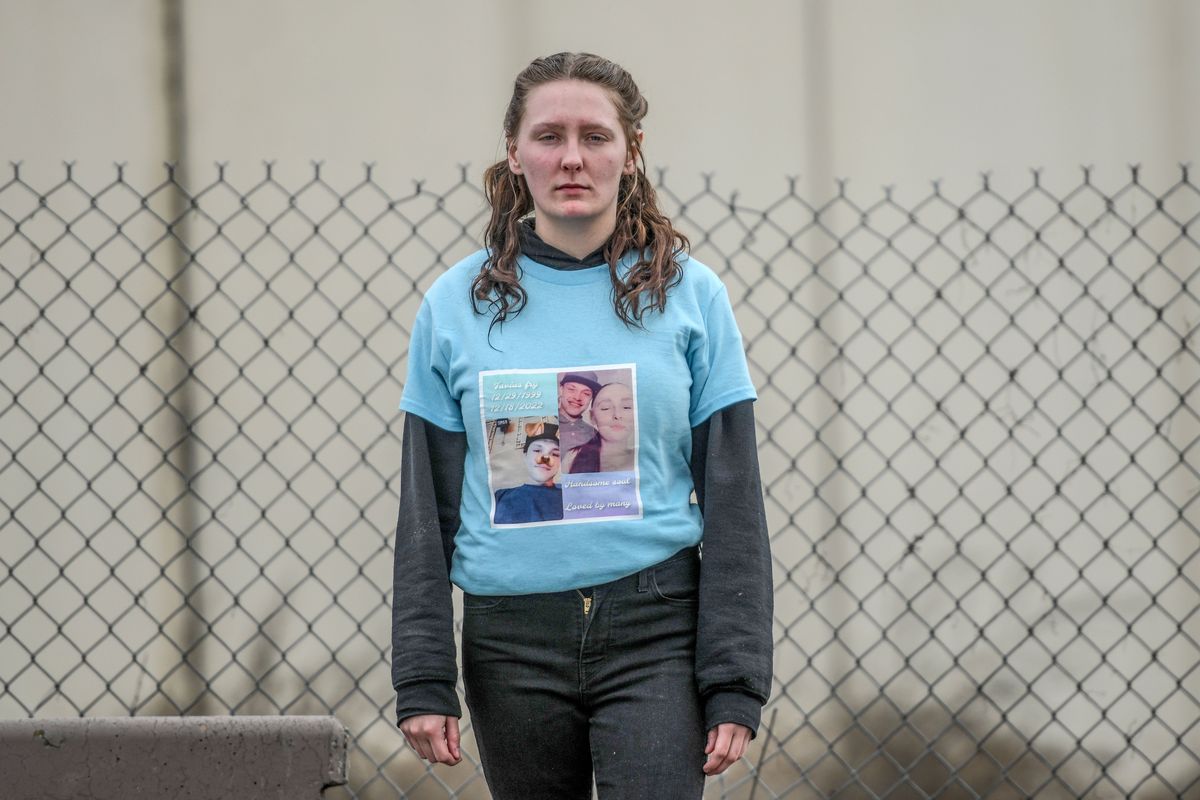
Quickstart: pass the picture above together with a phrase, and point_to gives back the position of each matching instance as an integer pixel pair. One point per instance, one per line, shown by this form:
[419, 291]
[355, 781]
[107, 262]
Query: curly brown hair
[641, 226]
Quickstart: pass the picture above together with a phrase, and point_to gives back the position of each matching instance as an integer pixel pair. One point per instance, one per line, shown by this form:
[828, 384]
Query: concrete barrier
[186, 758]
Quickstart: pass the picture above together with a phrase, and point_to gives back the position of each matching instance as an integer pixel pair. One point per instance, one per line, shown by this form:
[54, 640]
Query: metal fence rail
[979, 439]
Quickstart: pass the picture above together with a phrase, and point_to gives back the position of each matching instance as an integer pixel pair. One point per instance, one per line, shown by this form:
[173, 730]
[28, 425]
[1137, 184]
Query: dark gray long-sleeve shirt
[734, 638]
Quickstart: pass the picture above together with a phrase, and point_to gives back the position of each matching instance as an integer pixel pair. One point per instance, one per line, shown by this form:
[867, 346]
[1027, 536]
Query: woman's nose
[571, 158]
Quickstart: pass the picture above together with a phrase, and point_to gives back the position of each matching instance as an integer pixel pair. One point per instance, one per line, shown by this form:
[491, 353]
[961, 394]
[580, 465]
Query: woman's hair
[641, 227]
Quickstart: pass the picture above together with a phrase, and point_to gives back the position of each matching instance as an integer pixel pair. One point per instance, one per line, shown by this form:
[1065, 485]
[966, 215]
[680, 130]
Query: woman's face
[541, 459]
[572, 150]
[612, 412]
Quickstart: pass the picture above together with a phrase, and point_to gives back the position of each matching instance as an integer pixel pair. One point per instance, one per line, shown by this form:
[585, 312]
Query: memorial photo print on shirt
[562, 444]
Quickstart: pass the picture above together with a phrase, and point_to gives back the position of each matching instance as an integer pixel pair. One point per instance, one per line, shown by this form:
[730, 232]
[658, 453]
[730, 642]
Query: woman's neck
[576, 238]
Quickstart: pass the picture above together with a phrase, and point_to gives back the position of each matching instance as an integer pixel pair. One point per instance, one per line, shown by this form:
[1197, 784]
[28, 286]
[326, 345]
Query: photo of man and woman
[600, 420]
[562, 444]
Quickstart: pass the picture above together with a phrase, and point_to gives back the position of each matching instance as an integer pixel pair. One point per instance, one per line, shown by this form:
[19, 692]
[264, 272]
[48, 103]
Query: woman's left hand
[726, 744]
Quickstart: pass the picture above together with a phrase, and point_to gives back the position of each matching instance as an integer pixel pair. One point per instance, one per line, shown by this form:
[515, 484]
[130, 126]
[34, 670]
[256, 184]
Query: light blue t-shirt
[625, 493]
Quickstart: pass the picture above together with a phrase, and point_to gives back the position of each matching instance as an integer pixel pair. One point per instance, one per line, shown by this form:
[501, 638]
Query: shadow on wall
[352, 683]
[932, 751]
[957, 746]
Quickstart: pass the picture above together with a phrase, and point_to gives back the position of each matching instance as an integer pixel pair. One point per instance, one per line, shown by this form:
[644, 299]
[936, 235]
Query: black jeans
[560, 685]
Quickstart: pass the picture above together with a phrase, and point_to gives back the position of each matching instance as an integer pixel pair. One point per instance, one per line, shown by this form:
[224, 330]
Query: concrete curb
[186, 758]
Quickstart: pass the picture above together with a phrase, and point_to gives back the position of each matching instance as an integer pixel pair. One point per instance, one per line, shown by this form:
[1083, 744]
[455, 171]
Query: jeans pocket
[480, 603]
[677, 582]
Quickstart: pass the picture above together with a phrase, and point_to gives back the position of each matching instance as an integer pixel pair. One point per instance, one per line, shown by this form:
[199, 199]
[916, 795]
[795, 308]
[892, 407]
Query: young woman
[611, 448]
[600, 646]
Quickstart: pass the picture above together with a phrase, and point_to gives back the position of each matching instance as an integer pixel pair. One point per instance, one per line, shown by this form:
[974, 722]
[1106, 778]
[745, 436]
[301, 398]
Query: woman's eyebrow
[557, 125]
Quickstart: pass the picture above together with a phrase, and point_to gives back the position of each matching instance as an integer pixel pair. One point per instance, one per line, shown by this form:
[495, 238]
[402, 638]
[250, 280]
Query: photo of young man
[575, 393]
[539, 498]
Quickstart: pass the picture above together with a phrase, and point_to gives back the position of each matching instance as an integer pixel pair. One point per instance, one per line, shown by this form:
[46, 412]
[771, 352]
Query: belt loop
[644, 579]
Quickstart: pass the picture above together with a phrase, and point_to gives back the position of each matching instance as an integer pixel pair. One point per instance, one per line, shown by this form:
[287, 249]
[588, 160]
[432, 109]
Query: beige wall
[879, 92]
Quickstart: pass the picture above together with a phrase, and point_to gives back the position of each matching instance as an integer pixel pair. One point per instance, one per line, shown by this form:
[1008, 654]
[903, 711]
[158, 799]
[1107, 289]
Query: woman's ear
[514, 165]
[634, 151]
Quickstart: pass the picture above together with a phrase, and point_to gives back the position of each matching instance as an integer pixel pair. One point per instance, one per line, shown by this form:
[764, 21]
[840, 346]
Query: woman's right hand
[434, 737]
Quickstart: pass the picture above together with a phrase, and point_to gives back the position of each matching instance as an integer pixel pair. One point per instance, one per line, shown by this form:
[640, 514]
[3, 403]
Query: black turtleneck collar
[534, 247]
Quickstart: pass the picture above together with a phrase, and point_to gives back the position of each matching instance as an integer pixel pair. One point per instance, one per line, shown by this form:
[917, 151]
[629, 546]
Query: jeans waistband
[642, 576]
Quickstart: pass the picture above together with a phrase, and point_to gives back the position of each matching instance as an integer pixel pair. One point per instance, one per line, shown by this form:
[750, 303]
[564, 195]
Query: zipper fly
[587, 603]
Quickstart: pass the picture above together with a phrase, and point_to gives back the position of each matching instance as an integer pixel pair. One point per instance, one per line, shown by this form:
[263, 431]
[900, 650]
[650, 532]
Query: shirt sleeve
[734, 640]
[427, 390]
[717, 360]
[424, 668]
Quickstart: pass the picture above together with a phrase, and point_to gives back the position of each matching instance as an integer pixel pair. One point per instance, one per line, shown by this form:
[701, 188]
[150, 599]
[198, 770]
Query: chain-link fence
[979, 436]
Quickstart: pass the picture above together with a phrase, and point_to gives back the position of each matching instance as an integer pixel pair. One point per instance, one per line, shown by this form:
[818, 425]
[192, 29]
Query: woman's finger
[716, 759]
[434, 737]
[732, 740]
[441, 753]
[435, 747]
[741, 741]
[712, 739]
[453, 739]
